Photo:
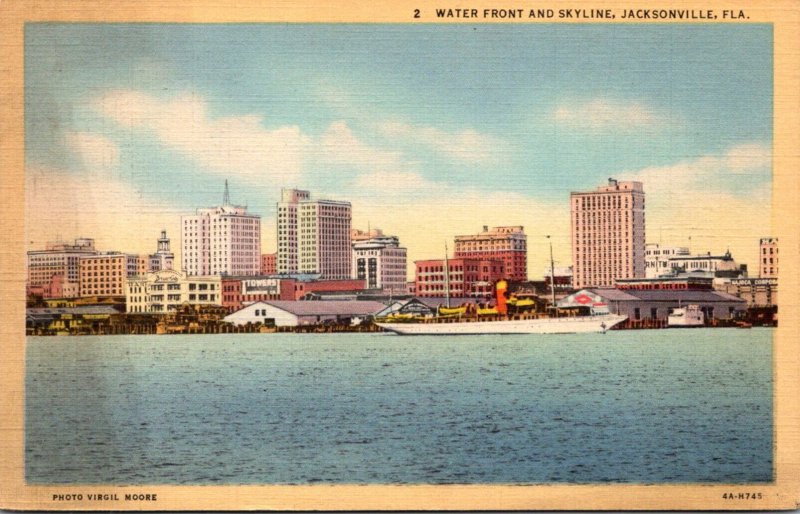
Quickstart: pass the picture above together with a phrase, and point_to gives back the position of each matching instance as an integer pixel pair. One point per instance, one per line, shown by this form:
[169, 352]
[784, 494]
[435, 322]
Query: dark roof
[669, 278]
[333, 307]
[667, 295]
[84, 309]
[614, 294]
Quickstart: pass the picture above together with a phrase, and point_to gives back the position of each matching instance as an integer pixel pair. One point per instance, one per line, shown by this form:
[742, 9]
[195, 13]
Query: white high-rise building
[381, 262]
[608, 234]
[313, 235]
[223, 240]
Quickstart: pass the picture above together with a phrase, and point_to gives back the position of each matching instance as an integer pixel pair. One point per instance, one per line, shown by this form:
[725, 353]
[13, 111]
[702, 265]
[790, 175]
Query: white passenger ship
[598, 321]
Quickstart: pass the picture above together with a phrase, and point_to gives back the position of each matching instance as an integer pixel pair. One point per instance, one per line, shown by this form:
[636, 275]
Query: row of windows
[205, 220]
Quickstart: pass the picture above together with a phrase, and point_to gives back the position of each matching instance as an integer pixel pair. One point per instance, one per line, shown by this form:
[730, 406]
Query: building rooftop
[321, 308]
[725, 257]
[615, 294]
[666, 295]
[85, 309]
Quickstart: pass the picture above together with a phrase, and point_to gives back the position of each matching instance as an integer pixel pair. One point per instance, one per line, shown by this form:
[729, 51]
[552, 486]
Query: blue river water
[653, 406]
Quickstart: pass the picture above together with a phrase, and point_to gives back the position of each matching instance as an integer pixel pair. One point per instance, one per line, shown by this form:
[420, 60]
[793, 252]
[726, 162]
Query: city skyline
[495, 128]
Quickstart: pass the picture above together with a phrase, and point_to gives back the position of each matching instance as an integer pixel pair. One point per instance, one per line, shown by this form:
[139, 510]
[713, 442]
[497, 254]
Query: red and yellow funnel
[500, 296]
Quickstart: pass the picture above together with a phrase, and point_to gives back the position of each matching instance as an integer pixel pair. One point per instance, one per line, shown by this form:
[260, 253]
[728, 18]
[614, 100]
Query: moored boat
[509, 315]
[598, 321]
[690, 316]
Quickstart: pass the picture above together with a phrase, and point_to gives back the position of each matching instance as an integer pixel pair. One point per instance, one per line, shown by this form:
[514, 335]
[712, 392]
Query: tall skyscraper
[508, 244]
[608, 239]
[313, 235]
[768, 257]
[223, 240]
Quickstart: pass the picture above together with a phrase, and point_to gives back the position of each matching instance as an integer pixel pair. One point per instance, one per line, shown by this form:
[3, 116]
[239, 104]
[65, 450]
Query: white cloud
[602, 114]
[60, 204]
[396, 182]
[467, 145]
[742, 167]
[721, 201]
[95, 151]
[749, 157]
[239, 145]
[339, 146]
[426, 219]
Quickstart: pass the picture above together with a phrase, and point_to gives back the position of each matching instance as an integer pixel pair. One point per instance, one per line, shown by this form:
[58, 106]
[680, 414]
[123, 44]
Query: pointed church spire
[226, 198]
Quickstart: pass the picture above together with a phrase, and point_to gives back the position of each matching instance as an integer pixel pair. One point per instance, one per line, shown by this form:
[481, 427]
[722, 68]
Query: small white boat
[690, 316]
[596, 322]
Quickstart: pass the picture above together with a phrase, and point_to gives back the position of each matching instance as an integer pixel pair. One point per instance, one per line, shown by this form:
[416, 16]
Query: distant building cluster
[657, 258]
[319, 255]
[64, 270]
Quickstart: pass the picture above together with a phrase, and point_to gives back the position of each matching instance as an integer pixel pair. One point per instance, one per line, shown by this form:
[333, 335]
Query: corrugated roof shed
[685, 296]
[328, 308]
[84, 309]
[614, 294]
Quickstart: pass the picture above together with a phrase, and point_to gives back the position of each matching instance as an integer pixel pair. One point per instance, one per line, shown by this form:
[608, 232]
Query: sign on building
[261, 286]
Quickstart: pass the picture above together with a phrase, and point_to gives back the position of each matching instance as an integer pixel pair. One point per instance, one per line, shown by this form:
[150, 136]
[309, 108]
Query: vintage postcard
[399, 256]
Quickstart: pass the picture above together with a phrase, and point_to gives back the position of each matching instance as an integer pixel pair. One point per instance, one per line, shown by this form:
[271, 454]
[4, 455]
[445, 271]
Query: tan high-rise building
[313, 236]
[608, 239]
[768, 257]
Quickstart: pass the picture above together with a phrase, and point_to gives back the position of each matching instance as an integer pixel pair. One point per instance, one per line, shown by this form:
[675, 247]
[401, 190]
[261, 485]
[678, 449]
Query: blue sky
[429, 130]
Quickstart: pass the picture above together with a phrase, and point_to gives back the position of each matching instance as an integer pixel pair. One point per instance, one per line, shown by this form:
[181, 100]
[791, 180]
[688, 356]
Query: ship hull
[566, 325]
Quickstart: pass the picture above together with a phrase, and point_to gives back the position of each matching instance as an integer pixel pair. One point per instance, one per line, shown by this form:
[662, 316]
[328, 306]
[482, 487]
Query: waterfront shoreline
[350, 329]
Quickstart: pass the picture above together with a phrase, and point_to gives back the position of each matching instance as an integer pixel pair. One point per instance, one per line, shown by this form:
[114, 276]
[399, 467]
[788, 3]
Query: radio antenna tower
[226, 197]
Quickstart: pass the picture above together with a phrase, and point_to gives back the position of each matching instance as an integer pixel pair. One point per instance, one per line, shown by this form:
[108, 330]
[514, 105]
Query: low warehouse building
[656, 304]
[68, 320]
[293, 313]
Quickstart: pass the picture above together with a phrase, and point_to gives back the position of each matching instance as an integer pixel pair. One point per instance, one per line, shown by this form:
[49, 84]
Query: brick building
[106, 274]
[507, 244]
[467, 277]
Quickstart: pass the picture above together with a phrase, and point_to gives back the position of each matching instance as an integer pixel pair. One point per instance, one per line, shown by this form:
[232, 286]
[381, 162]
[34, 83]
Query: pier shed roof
[683, 296]
[335, 307]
